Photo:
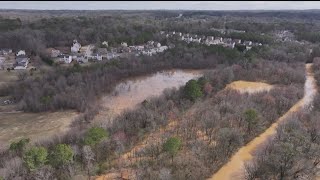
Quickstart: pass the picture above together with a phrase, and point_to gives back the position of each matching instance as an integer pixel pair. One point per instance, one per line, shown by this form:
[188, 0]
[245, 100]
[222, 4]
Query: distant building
[105, 43]
[5, 51]
[247, 43]
[75, 47]
[162, 48]
[65, 58]
[237, 41]
[55, 53]
[21, 53]
[124, 44]
[21, 62]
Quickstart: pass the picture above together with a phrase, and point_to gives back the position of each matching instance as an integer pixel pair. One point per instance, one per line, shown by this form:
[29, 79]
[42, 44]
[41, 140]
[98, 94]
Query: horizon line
[161, 9]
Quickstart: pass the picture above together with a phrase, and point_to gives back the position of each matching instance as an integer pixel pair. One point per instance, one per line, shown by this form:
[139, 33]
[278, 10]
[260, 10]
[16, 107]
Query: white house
[158, 45]
[105, 43]
[21, 53]
[76, 46]
[124, 44]
[21, 62]
[65, 58]
[162, 48]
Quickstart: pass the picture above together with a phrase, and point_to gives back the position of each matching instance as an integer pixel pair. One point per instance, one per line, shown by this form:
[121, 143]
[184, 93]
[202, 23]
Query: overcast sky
[138, 5]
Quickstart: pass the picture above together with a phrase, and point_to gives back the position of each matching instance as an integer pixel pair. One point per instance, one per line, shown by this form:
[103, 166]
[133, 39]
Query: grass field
[16, 125]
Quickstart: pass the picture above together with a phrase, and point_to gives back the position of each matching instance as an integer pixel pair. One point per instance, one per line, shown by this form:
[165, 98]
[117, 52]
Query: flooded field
[128, 94]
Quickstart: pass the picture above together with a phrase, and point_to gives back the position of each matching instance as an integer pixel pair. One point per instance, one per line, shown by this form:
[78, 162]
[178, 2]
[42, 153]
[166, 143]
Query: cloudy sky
[138, 5]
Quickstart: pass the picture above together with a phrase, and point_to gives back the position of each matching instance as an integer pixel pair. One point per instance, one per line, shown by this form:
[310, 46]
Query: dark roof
[21, 58]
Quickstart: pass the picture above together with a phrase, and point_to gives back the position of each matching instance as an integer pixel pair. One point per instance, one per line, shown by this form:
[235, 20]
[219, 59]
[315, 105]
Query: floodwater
[249, 87]
[234, 169]
[126, 95]
[133, 91]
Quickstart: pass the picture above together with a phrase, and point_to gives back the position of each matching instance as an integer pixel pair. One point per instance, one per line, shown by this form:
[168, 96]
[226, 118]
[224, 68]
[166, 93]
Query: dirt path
[234, 169]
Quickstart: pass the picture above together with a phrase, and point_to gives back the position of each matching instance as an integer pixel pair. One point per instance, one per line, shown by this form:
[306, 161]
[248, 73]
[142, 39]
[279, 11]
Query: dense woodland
[200, 107]
[295, 151]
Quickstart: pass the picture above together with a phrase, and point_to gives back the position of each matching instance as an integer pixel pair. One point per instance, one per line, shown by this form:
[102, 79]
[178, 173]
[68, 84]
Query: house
[112, 55]
[147, 52]
[227, 40]
[79, 58]
[139, 48]
[210, 38]
[75, 47]
[2, 59]
[237, 41]
[162, 48]
[102, 50]
[5, 51]
[151, 43]
[105, 43]
[229, 45]
[55, 53]
[197, 40]
[21, 62]
[162, 32]
[216, 41]
[157, 45]
[247, 43]
[124, 49]
[124, 44]
[65, 58]
[218, 38]
[21, 53]
[99, 57]
[179, 33]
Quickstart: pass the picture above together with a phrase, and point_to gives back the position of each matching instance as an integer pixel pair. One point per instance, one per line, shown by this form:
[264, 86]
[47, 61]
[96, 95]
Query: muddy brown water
[126, 95]
[133, 91]
[234, 169]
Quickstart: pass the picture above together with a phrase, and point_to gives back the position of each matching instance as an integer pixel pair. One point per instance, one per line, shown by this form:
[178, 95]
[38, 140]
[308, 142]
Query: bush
[61, 155]
[35, 157]
[94, 136]
[172, 146]
[192, 90]
[19, 146]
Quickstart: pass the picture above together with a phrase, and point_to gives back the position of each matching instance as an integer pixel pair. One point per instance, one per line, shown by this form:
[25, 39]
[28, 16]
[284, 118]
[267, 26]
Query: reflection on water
[128, 94]
[234, 169]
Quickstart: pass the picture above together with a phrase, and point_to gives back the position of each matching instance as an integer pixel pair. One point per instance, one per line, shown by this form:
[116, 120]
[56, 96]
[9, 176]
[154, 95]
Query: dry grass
[249, 87]
[33, 125]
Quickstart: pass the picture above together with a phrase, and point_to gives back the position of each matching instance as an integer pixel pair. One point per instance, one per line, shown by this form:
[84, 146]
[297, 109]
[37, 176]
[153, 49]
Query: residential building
[65, 58]
[55, 53]
[21, 53]
[21, 62]
[75, 46]
[5, 51]
[124, 44]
